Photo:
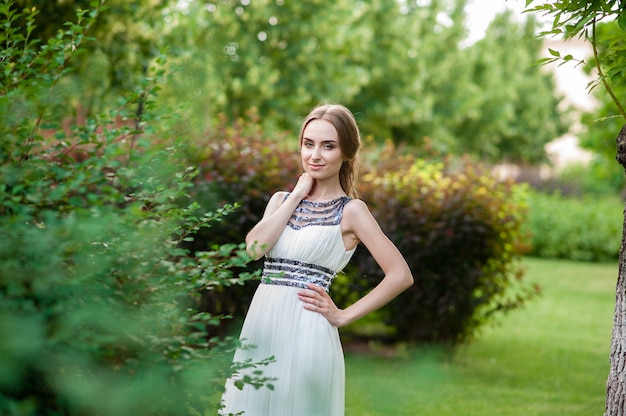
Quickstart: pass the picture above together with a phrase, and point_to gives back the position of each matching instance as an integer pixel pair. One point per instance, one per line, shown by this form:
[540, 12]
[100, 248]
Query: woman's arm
[266, 232]
[361, 225]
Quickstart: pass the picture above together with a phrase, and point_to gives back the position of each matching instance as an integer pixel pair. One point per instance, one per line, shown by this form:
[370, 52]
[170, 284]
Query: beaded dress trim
[288, 272]
[318, 213]
[285, 272]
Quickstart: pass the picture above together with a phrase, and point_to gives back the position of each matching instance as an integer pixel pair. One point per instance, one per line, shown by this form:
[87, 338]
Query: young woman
[307, 236]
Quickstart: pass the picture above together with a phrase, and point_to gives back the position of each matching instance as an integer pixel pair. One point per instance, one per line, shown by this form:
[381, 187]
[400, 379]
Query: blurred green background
[141, 140]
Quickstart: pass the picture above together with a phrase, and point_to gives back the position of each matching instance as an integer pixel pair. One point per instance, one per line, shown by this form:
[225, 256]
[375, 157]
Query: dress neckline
[325, 201]
[308, 213]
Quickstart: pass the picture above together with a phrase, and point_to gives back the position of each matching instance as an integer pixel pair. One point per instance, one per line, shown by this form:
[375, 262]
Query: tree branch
[599, 69]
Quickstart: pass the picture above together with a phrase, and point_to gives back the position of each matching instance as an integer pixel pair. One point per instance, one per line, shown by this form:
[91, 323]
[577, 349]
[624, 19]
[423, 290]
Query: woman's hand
[281, 206]
[317, 300]
[304, 186]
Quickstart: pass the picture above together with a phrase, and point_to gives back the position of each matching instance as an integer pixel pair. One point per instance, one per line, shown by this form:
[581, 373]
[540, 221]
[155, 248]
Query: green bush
[98, 299]
[460, 233]
[236, 164]
[578, 228]
[577, 180]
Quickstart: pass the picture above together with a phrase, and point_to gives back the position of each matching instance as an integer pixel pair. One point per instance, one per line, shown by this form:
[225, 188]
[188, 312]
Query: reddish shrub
[460, 233]
[237, 165]
[458, 229]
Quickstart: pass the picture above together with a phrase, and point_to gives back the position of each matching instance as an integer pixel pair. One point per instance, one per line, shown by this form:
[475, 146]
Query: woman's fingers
[314, 297]
[317, 300]
[304, 186]
[317, 289]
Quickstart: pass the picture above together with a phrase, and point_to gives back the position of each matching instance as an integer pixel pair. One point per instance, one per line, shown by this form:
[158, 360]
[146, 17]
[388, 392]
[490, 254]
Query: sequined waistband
[286, 272]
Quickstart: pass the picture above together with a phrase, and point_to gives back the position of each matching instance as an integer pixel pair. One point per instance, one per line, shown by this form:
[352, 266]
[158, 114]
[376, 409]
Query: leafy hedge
[576, 228]
[236, 164]
[459, 232]
[98, 300]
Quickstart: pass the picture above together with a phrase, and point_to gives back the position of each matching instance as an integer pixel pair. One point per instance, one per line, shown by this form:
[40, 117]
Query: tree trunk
[616, 383]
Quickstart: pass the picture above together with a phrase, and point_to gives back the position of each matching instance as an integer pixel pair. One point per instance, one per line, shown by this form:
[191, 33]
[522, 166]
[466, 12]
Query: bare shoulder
[356, 207]
[275, 201]
[356, 213]
[278, 197]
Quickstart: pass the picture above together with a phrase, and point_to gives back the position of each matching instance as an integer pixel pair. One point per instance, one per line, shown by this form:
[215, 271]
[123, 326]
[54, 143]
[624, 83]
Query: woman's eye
[328, 146]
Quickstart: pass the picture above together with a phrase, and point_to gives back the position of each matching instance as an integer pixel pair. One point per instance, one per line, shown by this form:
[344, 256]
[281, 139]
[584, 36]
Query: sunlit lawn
[550, 358]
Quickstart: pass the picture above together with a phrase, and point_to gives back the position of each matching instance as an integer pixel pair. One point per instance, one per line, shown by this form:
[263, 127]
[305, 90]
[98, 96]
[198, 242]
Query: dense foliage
[573, 18]
[459, 229]
[394, 64]
[406, 68]
[98, 300]
[582, 220]
[236, 163]
[586, 228]
[459, 232]
[499, 125]
[600, 127]
[128, 36]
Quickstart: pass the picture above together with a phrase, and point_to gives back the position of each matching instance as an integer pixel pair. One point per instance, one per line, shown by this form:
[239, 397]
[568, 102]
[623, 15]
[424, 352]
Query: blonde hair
[349, 141]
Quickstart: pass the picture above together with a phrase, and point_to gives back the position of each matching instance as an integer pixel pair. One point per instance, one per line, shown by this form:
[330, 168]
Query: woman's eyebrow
[323, 141]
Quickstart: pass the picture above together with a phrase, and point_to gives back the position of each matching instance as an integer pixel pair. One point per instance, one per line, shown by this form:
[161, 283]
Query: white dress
[309, 363]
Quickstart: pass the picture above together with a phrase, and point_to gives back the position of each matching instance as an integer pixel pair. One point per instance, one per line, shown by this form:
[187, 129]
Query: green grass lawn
[549, 358]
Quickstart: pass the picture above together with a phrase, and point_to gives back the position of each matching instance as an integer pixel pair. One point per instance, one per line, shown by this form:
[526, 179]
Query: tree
[395, 64]
[128, 37]
[411, 64]
[516, 111]
[278, 57]
[572, 18]
[603, 121]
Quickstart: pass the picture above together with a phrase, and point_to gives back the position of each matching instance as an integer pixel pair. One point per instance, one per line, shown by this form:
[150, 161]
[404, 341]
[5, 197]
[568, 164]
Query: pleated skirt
[308, 369]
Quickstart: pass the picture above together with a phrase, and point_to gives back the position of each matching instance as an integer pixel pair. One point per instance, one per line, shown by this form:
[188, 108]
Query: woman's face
[319, 150]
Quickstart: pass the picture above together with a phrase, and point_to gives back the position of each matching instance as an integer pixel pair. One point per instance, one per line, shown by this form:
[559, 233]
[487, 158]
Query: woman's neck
[325, 194]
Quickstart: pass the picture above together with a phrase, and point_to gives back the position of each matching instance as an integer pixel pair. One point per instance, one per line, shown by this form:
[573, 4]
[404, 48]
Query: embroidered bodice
[311, 247]
[318, 213]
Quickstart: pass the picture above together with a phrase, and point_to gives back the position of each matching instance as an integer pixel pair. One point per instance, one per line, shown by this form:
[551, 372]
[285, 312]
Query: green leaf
[621, 20]
[554, 52]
